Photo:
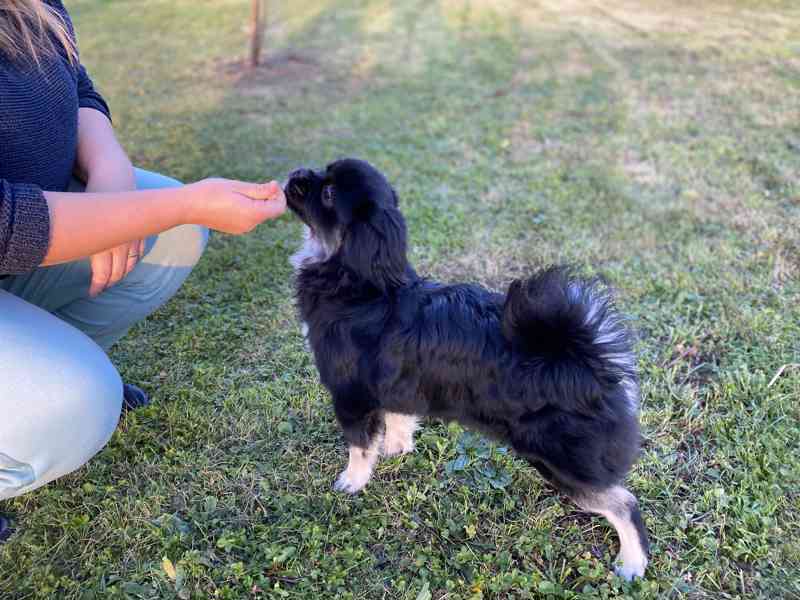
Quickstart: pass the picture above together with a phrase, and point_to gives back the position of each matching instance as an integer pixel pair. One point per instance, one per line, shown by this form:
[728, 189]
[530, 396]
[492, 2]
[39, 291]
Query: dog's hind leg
[363, 434]
[617, 505]
[621, 508]
[399, 437]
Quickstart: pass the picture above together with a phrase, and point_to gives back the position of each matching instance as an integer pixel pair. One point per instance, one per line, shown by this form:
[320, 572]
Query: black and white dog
[546, 368]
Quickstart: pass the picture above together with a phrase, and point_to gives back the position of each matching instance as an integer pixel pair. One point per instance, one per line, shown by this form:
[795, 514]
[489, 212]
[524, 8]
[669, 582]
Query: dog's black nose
[297, 187]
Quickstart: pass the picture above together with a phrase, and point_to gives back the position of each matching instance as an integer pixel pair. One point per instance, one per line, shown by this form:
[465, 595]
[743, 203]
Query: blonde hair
[32, 29]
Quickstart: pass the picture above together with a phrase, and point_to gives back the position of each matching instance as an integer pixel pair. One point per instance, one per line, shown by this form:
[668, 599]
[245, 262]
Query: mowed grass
[655, 143]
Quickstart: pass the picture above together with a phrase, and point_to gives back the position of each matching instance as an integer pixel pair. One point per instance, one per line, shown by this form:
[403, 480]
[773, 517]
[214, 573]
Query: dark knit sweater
[38, 143]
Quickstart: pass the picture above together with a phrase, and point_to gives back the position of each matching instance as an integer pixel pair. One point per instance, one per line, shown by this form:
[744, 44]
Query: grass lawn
[655, 142]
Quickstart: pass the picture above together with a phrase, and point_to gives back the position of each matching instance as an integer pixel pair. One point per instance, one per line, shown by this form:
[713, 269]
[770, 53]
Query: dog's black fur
[547, 368]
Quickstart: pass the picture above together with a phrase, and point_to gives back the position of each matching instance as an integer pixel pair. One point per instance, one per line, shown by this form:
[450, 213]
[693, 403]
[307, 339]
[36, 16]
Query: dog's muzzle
[297, 186]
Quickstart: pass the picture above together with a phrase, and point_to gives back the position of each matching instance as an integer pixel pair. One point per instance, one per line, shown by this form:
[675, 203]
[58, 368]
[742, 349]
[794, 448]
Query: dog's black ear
[374, 247]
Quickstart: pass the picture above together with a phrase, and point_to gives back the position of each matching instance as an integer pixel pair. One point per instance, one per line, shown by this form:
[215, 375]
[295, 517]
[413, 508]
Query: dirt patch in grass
[297, 75]
[284, 68]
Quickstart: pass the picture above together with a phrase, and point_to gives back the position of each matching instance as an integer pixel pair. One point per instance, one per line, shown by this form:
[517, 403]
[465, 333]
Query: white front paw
[349, 482]
[631, 568]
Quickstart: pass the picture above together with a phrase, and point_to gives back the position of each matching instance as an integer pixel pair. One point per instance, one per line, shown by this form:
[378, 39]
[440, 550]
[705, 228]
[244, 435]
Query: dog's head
[352, 215]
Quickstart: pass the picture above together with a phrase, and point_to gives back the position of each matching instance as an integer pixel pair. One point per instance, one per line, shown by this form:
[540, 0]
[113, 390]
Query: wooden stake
[257, 19]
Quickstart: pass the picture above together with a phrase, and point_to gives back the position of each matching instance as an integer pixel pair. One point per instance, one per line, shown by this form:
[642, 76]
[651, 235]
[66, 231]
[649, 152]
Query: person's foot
[133, 398]
[5, 529]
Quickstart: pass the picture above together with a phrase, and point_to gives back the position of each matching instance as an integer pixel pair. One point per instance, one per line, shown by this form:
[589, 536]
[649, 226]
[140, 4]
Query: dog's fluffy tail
[572, 344]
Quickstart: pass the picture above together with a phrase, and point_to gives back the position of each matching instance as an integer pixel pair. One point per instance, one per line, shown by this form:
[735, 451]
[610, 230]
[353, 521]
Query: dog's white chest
[310, 252]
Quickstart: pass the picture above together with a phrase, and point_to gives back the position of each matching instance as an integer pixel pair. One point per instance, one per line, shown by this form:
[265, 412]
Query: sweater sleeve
[88, 97]
[24, 227]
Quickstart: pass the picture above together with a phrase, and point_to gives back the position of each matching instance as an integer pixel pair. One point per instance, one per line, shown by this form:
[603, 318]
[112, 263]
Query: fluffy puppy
[546, 368]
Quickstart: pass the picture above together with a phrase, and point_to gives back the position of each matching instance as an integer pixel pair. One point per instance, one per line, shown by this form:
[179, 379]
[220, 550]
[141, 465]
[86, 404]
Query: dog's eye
[327, 195]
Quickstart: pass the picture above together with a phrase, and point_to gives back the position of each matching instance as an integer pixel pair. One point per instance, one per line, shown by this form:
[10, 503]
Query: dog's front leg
[621, 508]
[359, 469]
[363, 434]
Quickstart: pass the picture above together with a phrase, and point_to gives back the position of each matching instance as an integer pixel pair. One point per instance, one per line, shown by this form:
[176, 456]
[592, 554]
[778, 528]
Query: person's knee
[91, 400]
[180, 247]
[164, 269]
[97, 397]
[193, 241]
[147, 180]
[66, 419]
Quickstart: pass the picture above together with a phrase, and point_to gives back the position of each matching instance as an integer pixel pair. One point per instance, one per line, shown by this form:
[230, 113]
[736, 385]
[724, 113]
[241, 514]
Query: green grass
[657, 143]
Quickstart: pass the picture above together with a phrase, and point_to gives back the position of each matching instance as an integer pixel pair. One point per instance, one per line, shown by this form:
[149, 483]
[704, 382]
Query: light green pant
[60, 396]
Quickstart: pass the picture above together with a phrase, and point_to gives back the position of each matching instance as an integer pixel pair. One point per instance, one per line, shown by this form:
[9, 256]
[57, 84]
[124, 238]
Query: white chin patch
[312, 251]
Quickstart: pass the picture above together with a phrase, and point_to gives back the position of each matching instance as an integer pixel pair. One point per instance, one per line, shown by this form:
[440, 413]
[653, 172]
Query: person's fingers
[133, 255]
[260, 191]
[101, 272]
[275, 191]
[272, 209]
[120, 257]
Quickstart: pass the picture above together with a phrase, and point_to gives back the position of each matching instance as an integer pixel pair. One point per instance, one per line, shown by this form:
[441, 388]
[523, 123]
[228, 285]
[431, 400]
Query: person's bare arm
[105, 167]
[101, 161]
[83, 224]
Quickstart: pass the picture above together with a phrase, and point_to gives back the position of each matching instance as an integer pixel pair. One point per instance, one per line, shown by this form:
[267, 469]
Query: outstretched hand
[234, 206]
[223, 204]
